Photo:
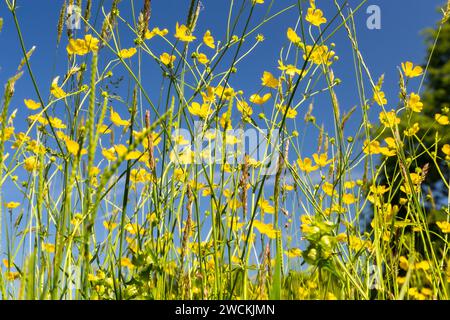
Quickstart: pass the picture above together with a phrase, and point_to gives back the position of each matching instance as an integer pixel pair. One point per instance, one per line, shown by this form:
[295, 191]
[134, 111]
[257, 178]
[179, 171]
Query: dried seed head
[87, 13]
[62, 17]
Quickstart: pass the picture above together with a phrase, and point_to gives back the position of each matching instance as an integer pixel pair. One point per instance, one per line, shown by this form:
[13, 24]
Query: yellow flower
[82, 47]
[444, 226]
[244, 108]
[389, 119]
[167, 59]
[446, 149]
[293, 253]
[8, 264]
[412, 130]
[117, 120]
[12, 205]
[126, 262]
[379, 97]
[155, 32]
[127, 53]
[306, 165]
[202, 111]
[109, 154]
[348, 198]
[410, 70]
[12, 275]
[403, 263]
[257, 99]
[266, 229]
[257, 1]
[320, 55]
[329, 189]
[293, 37]
[48, 247]
[290, 69]
[56, 90]
[414, 103]
[202, 58]
[72, 146]
[291, 113]
[208, 39]
[371, 147]
[268, 80]
[109, 225]
[57, 123]
[183, 33]
[31, 164]
[266, 207]
[315, 16]
[321, 160]
[441, 119]
[32, 105]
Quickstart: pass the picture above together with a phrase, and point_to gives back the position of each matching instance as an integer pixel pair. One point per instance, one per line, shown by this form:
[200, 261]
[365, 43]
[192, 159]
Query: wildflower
[260, 37]
[32, 105]
[245, 109]
[202, 111]
[12, 275]
[117, 120]
[441, 119]
[257, 1]
[82, 47]
[321, 160]
[410, 70]
[444, 226]
[202, 58]
[371, 147]
[319, 55]
[266, 207]
[306, 165]
[379, 97]
[57, 123]
[446, 149]
[257, 99]
[314, 15]
[183, 33]
[293, 253]
[290, 69]
[155, 32]
[389, 119]
[412, 130]
[328, 188]
[72, 146]
[348, 198]
[167, 59]
[126, 262]
[268, 80]
[109, 225]
[56, 90]
[109, 154]
[414, 103]
[127, 53]
[423, 265]
[266, 229]
[31, 164]
[48, 247]
[12, 205]
[208, 39]
[291, 113]
[293, 37]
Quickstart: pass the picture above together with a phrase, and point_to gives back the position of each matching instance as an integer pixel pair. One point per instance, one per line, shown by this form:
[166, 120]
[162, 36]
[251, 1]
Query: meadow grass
[110, 195]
